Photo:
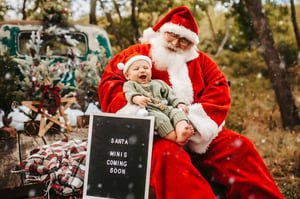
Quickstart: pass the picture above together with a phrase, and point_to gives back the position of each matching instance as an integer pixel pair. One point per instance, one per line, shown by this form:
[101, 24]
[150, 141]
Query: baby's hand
[183, 107]
[140, 100]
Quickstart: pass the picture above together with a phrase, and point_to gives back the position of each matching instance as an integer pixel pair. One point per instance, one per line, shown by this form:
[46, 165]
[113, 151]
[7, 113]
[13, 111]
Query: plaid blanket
[60, 166]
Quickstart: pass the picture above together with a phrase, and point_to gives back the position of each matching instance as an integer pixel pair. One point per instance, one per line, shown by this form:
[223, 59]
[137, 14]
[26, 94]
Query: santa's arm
[215, 97]
[111, 95]
[211, 105]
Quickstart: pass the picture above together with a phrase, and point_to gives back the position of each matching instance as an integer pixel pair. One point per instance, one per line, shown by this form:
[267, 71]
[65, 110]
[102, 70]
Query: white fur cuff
[206, 129]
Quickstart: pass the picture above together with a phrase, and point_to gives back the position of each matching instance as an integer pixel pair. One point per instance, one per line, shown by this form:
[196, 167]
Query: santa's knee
[240, 148]
[167, 150]
[239, 141]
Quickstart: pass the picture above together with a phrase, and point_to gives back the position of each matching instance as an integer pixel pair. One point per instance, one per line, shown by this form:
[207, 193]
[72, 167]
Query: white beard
[175, 64]
[163, 57]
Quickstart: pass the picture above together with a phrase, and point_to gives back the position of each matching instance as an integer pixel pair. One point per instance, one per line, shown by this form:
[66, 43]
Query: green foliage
[54, 11]
[148, 13]
[7, 81]
[154, 10]
[196, 10]
[125, 32]
[88, 78]
[288, 52]
[243, 63]
[280, 22]
[3, 9]
[242, 34]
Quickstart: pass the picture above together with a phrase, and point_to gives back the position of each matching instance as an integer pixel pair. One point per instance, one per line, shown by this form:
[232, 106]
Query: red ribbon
[54, 91]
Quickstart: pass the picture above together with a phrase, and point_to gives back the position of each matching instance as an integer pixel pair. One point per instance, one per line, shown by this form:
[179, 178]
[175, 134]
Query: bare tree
[116, 5]
[24, 10]
[113, 26]
[295, 25]
[225, 38]
[93, 19]
[205, 7]
[276, 68]
[135, 26]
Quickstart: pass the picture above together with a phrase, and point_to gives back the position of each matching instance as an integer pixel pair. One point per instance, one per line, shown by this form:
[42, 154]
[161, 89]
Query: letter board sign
[118, 156]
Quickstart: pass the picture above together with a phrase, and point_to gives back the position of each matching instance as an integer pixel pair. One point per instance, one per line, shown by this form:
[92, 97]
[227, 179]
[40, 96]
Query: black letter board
[118, 157]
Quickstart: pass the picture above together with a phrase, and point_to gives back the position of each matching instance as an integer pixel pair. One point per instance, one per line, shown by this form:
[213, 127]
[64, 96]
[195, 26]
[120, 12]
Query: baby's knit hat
[132, 59]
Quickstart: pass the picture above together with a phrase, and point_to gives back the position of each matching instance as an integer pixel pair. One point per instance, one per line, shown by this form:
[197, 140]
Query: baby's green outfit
[162, 106]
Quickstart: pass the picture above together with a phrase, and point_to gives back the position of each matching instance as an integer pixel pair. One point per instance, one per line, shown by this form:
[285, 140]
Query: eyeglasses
[181, 40]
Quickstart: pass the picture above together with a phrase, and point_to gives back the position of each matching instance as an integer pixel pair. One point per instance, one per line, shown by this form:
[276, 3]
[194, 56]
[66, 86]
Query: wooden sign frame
[118, 156]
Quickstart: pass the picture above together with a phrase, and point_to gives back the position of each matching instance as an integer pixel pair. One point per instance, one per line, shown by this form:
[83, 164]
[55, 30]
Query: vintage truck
[70, 53]
[91, 38]
[84, 40]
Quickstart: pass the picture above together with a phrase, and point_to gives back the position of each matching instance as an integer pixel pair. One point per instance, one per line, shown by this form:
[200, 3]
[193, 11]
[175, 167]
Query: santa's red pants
[230, 161]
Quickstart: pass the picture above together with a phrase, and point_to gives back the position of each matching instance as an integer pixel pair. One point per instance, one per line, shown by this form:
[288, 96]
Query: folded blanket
[60, 166]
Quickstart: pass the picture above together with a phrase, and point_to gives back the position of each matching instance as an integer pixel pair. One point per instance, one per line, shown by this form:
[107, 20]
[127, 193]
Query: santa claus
[217, 154]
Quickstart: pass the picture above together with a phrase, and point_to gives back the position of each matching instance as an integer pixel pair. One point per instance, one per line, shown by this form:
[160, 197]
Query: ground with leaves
[255, 114]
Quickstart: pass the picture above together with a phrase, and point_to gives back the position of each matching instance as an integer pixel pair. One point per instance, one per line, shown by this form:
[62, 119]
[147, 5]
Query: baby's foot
[183, 131]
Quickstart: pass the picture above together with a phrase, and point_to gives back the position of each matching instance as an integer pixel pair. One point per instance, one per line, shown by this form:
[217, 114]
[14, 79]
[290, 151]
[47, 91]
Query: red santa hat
[179, 21]
[132, 58]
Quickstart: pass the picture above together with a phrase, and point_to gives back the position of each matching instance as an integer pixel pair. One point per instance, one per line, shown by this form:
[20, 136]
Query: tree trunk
[220, 48]
[295, 25]
[116, 5]
[24, 10]
[113, 26]
[93, 19]
[276, 68]
[211, 25]
[135, 26]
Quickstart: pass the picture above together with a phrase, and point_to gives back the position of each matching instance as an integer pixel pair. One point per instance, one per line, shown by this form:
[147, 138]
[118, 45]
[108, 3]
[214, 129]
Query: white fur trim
[148, 34]
[180, 30]
[125, 67]
[206, 129]
[181, 82]
[120, 66]
[193, 53]
[131, 109]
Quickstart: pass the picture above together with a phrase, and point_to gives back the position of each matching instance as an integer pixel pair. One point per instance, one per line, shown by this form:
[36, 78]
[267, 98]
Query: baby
[157, 98]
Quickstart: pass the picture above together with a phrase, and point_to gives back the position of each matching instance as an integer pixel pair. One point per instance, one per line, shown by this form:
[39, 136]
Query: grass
[255, 114]
[280, 151]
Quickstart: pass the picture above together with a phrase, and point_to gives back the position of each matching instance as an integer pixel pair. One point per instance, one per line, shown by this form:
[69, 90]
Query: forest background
[227, 34]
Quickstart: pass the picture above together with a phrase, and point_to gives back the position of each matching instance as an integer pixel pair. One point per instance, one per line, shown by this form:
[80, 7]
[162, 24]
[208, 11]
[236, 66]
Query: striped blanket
[60, 166]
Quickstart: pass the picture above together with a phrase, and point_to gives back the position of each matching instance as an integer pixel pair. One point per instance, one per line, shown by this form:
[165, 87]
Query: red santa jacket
[208, 92]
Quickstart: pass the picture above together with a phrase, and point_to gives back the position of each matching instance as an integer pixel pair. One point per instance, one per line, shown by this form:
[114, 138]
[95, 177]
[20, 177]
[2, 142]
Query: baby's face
[139, 71]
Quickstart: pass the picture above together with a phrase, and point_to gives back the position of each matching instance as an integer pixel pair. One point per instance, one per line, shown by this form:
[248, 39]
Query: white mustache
[175, 49]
